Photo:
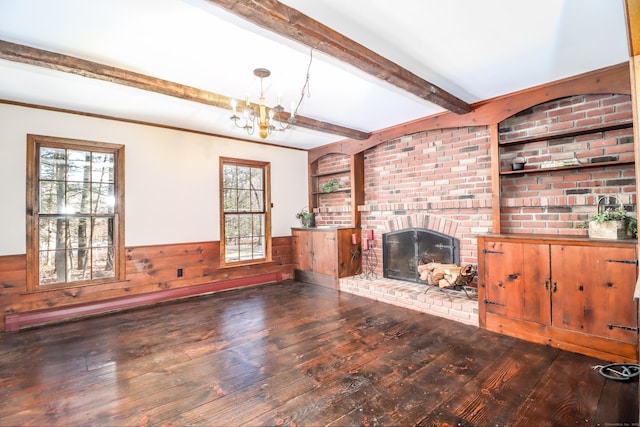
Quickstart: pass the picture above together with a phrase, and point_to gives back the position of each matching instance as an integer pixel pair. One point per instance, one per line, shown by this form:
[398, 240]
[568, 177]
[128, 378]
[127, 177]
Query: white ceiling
[474, 49]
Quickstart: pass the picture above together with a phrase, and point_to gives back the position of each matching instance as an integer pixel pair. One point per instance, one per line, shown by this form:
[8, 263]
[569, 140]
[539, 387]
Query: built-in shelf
[561, 168]
[339, 190]
[568, 134]
[350, 177]
[336, 172]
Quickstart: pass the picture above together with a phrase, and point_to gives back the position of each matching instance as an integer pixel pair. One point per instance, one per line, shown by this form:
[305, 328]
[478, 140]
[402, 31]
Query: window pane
[52, 163]
[229, 178]
[244, 177]
[246, 237]
[230, 200]
[77, 266]
[231, 249]
[246, 249]
[257, 198]
[51, 197]
[78, 165]
[52, 233]
[79, 232]
[258, 225]
[256, 179]
[78, 198]
[244, 201]
[245, 226]
[52, 267]
[231, 225]
[102, 232]
[103, 263]
[258, 247]
[102, 167]
[103, 201]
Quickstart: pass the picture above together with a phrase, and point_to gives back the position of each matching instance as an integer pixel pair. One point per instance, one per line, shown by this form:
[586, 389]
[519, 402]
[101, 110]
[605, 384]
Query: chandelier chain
[307, 86]
[266, 122]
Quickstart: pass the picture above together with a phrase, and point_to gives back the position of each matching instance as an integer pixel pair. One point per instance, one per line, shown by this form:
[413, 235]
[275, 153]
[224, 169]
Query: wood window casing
[115, 219]
[263, 211]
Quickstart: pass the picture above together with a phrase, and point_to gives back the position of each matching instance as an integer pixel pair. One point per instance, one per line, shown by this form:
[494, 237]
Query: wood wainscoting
[151, 278]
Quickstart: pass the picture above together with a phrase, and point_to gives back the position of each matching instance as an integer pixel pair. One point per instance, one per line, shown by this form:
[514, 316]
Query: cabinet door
[302, 248]
[324, 255]
[348, 255]
[593, 290]
[517, 280]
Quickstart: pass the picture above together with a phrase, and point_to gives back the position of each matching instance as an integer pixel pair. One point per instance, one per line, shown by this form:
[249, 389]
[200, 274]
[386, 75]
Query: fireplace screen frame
[413, 246]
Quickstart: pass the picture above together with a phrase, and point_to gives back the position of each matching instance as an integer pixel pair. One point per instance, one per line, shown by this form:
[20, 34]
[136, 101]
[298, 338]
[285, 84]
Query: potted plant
[613, 224]
[330, 186]
[307, 219]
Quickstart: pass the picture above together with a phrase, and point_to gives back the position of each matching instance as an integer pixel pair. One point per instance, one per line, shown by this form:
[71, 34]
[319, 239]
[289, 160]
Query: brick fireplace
[450, 304]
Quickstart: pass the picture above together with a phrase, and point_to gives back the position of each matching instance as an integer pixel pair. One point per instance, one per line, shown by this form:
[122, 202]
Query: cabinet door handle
[555, 287]
[626, 328]
[624, 261]
[546, 285]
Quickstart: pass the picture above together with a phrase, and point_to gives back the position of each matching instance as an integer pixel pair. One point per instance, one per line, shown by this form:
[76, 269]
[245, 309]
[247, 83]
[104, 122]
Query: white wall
[171, 177]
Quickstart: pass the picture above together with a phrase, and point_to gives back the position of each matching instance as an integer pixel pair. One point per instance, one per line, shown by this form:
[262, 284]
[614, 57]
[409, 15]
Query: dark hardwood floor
[295, 354]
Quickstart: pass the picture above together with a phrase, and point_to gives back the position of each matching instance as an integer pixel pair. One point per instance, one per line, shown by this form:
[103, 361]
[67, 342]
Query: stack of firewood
[446, 275]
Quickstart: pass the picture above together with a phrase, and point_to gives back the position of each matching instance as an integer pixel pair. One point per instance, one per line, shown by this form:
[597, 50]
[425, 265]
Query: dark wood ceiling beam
[69, 64]
[290, 23]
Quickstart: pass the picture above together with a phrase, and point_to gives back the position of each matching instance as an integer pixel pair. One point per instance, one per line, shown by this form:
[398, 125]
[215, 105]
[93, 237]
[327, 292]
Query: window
[75, 204]
[245, 221]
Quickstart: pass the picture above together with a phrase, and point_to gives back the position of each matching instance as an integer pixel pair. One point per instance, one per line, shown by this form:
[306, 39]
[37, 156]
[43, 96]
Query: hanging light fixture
[267, 121]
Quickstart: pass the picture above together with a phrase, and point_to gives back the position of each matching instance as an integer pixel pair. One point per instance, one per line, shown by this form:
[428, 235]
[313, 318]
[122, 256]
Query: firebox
[404, 250]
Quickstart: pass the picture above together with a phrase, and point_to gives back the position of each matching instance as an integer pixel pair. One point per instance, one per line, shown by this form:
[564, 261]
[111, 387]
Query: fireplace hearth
[404, 250]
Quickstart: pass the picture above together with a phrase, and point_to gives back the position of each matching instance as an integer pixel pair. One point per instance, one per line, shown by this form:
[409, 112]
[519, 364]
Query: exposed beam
[290, 23]
[69, 64]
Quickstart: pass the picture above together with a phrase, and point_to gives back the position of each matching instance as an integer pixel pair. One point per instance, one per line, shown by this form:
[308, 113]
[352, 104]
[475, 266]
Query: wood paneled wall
[149, 269]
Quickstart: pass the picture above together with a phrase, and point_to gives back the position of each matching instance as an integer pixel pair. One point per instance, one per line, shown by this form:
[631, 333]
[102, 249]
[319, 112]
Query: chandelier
[267, 121]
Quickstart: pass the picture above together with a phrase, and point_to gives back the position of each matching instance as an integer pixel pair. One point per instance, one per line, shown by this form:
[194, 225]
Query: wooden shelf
[561, 168]
[339, 190]
[568, 134]
[338, 172]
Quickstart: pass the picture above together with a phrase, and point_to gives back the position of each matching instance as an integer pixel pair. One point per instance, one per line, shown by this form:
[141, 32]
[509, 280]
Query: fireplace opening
[404, 250]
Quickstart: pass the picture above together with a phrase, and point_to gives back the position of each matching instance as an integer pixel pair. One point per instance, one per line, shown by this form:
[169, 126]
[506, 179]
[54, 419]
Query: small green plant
[618, 214]
[307, 219]
[330, 186]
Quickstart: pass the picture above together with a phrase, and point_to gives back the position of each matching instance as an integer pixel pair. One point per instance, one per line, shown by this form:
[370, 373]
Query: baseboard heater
[16, 321]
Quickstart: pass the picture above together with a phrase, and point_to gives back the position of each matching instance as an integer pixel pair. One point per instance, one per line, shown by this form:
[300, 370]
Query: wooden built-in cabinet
[572, 293]
[323, 255]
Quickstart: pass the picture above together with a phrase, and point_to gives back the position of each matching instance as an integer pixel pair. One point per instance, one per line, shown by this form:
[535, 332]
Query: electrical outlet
[179, 272]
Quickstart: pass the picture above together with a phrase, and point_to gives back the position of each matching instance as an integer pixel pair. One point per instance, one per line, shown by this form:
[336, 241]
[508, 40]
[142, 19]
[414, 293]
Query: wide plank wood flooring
[295, 354]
